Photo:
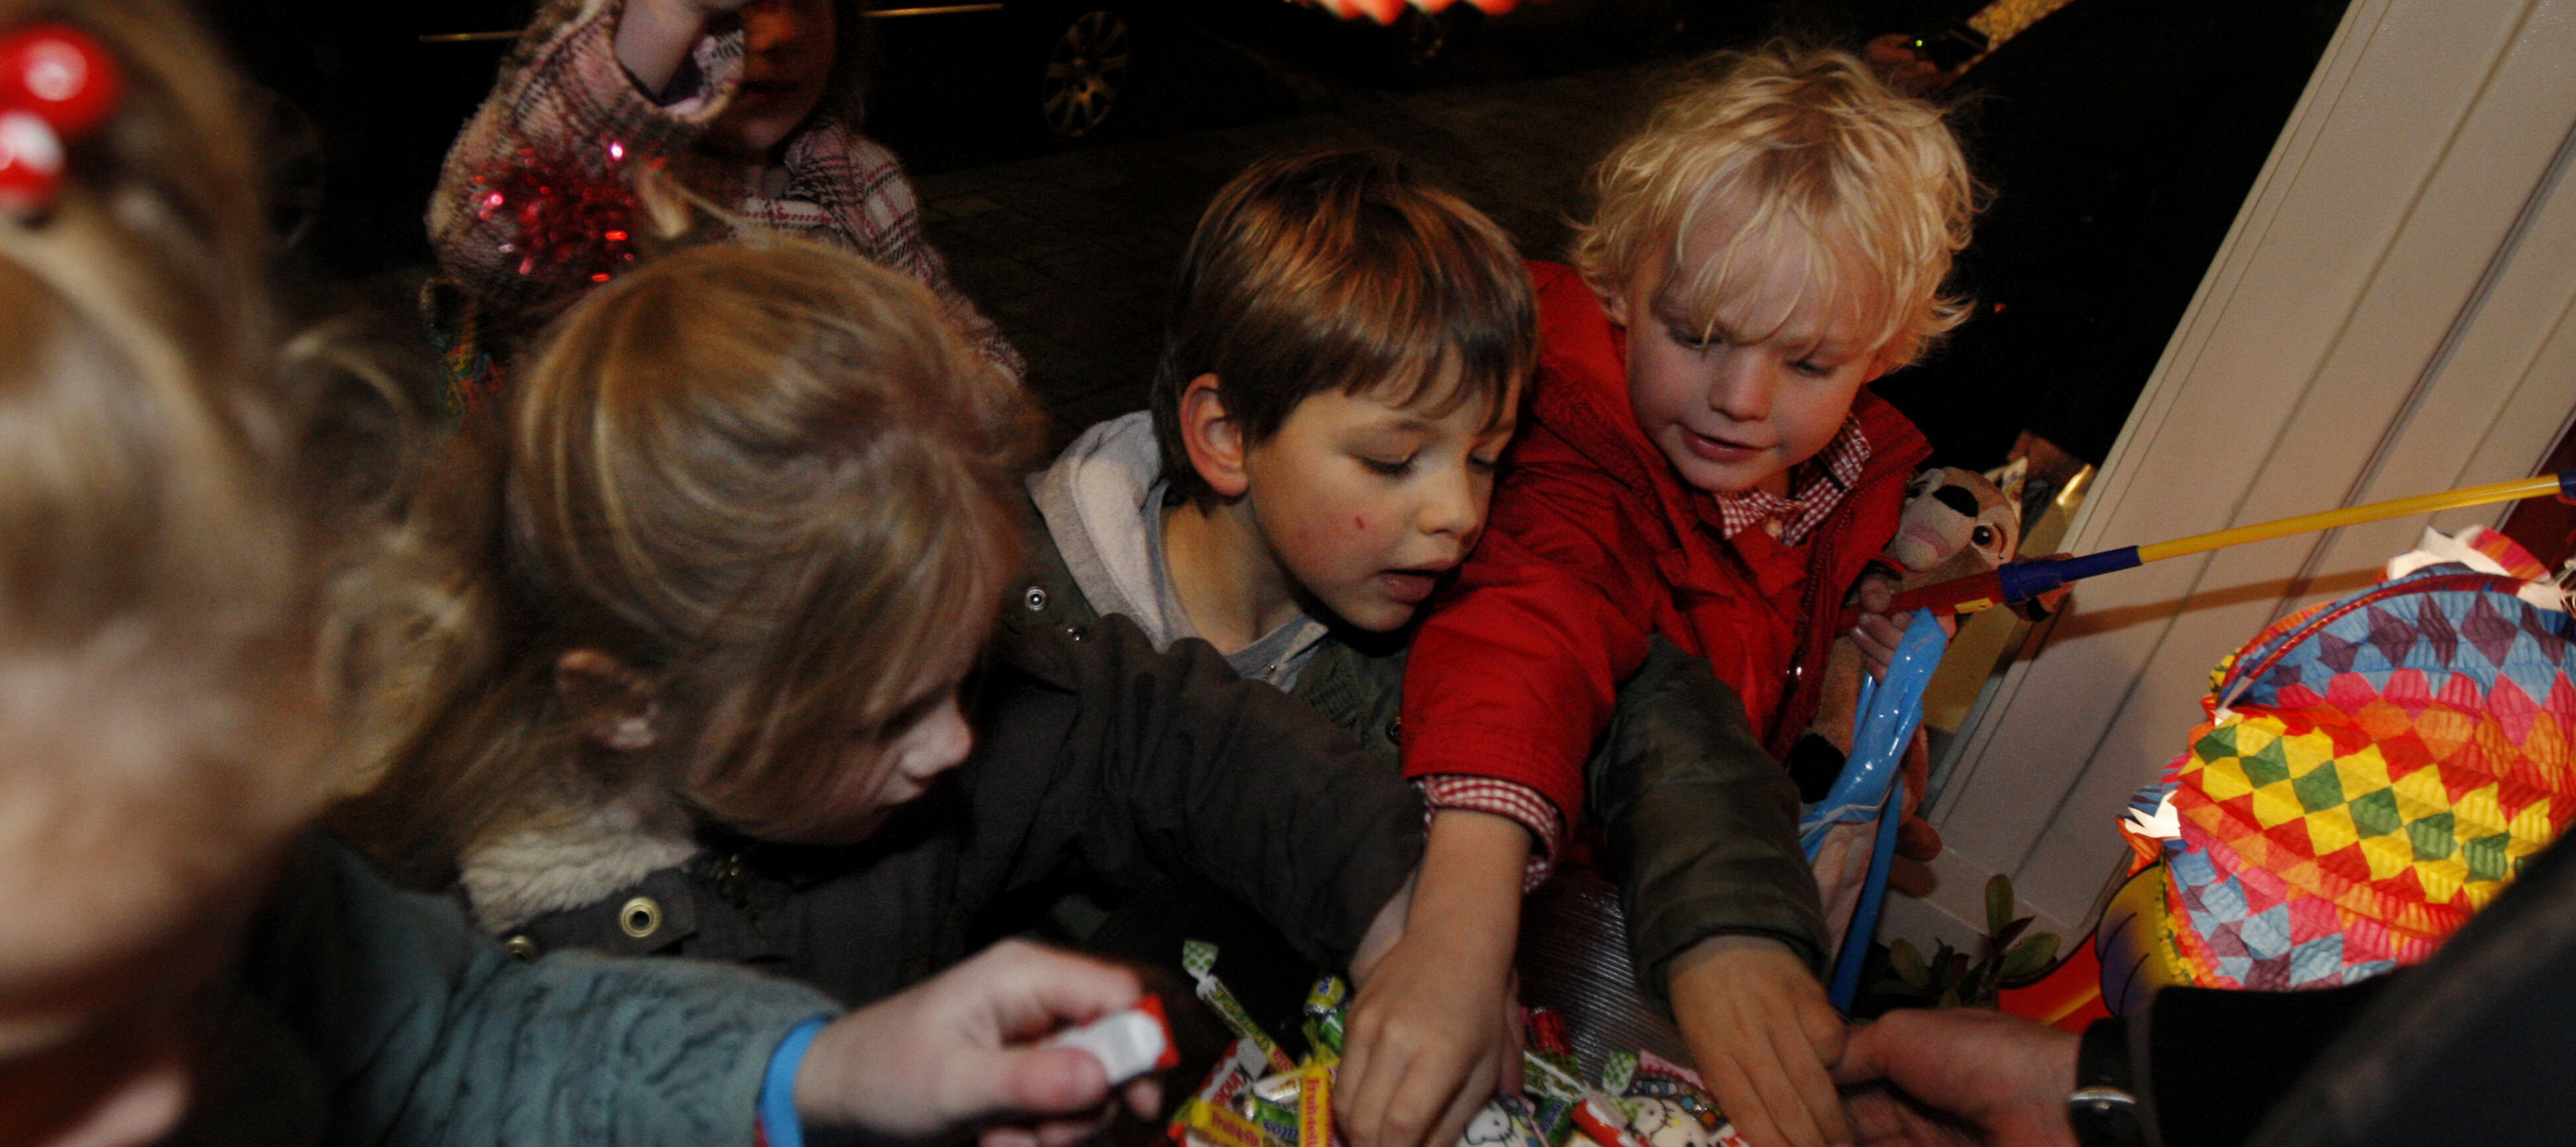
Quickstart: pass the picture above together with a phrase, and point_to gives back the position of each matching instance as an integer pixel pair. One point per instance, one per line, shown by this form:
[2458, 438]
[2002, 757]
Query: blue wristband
[778, 1122]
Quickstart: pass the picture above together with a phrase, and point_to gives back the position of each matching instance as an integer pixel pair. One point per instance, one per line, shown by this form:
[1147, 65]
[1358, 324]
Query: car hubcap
[1085, 72]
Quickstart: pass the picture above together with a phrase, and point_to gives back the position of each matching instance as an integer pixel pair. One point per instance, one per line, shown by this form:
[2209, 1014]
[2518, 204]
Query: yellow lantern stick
[2021, 581]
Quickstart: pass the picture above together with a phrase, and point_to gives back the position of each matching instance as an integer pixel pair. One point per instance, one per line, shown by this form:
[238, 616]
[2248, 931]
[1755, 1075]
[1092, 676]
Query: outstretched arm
[956, 1052]
[424, 1031]
[583, 94]
[1433, 1034]
[1721, 904]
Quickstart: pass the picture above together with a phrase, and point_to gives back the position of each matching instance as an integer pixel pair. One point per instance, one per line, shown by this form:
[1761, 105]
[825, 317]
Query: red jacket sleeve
[1515, 674]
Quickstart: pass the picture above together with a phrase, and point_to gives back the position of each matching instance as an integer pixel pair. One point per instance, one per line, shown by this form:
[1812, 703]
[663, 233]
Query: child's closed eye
[1388, 468]
[1689, 339]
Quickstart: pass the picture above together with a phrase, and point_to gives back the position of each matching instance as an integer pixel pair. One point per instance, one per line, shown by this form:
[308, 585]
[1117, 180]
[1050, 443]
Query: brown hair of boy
[767, 478]
[1817, 161]
[1342, 270]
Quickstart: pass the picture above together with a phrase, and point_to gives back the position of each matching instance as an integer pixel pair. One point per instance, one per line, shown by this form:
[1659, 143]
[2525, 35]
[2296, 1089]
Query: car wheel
[1087, 70]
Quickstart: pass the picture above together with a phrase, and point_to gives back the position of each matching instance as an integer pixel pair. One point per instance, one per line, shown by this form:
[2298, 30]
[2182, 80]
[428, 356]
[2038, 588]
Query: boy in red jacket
[1699, 461]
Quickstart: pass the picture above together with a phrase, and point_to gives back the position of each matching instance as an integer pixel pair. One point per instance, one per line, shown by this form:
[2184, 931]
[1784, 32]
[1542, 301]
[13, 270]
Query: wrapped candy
[1198, 958]
[1252, 1100]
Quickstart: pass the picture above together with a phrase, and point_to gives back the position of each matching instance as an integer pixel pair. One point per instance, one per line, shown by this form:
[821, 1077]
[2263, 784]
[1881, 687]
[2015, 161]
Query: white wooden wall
[2390, 315]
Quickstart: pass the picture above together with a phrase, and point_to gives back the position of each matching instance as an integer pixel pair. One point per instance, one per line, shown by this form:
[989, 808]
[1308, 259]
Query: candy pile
[1258, 1097]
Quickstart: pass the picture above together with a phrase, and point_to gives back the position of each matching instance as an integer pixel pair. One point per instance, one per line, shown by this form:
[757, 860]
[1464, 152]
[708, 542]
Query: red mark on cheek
[1359, 525]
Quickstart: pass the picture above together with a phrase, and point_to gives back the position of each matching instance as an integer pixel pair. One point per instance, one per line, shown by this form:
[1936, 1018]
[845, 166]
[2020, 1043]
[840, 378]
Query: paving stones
[1073, 253]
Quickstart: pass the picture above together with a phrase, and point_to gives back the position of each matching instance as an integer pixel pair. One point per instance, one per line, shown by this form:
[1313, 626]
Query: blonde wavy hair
[1812, 162]
[767, 476]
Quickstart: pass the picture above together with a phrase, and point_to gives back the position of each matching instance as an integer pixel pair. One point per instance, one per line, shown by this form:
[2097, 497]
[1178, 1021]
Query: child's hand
[1765, 1038]
[953, 1053]
[654, 36]
[1878, 631]
[1433, 1034]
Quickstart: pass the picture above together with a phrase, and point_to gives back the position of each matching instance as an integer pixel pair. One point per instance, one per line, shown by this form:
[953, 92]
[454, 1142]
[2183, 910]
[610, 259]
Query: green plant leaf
[2030, 957]
[1954, 970]
[1949, 998]
[2002, 940]
[1907, 963]
[1999, 903]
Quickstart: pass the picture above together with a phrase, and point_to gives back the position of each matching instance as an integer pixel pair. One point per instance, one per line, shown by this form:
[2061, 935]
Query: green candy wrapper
[1552, 1075]
[1327, 1007]
[1617, 1068]
[1198, 958]
[1275, 1121]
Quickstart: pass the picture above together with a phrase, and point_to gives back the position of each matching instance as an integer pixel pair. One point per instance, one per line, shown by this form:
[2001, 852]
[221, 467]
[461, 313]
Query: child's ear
[1213, 438]
[1877, 366]
[1615, 304]
[611, 705]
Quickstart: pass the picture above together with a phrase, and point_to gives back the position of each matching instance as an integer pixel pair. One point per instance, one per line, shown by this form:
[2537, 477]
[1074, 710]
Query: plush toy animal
[1956, 523]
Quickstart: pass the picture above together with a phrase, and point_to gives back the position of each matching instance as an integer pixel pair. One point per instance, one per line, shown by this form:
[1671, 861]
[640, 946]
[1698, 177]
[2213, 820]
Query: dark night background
[2116, 136]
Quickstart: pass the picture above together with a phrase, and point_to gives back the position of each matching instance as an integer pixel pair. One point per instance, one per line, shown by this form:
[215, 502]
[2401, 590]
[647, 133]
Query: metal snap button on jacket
[640, 918]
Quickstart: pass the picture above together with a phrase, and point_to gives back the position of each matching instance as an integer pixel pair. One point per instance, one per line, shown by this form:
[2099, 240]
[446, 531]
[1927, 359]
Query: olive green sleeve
[1702, 823]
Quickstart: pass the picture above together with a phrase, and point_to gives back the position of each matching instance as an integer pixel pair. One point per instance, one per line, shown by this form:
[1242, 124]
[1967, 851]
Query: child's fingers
[1366, 1081]
[1435, 1101]
[1877, 594]
[1816, 1108]
[1877, 638]
[1044, 1080]
[1033, 990]
[1145, 1097]
[1470, 1098]
[1067, 1132]
[1743, 1102]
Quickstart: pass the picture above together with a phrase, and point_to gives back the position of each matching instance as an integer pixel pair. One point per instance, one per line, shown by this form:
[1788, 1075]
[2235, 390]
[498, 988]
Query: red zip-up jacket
[1594, 544]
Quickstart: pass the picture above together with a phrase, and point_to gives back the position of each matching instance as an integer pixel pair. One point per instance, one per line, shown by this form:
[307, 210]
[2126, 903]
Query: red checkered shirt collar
[1816, 486]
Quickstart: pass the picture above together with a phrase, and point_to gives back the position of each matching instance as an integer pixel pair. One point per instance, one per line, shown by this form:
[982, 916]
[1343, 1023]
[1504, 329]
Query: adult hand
[1971, 1075]
[1435, 1030]
[954, 1053]
[1764, 1036]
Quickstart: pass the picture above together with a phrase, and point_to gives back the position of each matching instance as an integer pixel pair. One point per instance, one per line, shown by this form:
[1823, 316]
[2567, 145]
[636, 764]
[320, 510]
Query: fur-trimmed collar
[573, 854]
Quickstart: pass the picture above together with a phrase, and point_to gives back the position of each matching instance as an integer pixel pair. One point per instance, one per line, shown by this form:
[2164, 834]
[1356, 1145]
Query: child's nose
[768, 25]
[1456, 504]
[938, 744]
[1743, 386]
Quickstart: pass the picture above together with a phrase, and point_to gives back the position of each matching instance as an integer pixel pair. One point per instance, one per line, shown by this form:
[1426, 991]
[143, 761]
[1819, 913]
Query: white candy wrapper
[1127, 1044]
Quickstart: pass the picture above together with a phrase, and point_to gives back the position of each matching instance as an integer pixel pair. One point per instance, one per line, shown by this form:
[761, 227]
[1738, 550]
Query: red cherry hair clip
[56, 84]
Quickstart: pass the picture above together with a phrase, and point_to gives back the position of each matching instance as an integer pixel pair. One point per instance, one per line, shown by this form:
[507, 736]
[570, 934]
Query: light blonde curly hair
[1810, 161]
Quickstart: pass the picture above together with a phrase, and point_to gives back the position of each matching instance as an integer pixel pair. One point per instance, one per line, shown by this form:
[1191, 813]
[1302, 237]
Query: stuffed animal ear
[2011, 478]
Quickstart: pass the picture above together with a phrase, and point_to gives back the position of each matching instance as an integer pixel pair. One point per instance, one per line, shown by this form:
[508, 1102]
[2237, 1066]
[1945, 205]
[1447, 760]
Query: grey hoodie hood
[1102, 501]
